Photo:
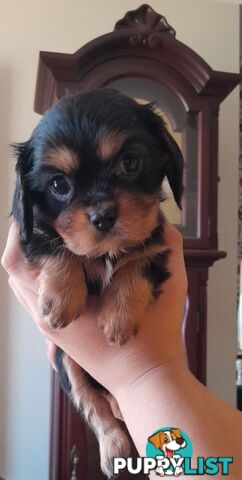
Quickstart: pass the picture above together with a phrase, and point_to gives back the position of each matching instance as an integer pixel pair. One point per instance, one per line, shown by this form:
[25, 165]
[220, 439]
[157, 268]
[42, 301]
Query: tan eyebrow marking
[110, 144]
[62, 158]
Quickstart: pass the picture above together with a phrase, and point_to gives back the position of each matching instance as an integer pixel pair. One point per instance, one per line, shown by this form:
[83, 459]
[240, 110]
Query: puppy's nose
[180, 441]
[103, 219]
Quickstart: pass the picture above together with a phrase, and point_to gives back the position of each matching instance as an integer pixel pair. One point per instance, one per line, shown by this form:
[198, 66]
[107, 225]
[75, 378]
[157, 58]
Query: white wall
[211, 29]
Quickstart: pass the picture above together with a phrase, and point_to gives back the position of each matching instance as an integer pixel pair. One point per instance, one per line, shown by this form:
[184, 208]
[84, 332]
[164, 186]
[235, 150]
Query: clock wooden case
[143, 58]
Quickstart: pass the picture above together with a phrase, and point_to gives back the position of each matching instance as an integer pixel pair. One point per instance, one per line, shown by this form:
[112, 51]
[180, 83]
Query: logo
[172, 450]
[169, 446]
[169, 453]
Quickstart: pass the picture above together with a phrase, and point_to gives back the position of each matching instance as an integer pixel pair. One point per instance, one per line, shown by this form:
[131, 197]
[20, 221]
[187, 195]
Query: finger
[173, 236]
[51, 353]
[12, 252]
[15, 263]
[114, 406]
[177, 283]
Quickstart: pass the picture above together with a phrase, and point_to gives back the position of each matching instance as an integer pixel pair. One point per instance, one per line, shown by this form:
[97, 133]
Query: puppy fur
[87, 204]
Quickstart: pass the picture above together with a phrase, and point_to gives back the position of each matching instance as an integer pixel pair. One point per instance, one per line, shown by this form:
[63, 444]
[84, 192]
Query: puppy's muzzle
[103, 219]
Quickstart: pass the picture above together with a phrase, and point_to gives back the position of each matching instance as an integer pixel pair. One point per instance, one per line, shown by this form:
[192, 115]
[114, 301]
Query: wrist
[136, 366]
[143, 401]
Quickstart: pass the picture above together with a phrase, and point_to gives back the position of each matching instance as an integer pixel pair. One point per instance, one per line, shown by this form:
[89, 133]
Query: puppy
[169, 441]
[87, 204]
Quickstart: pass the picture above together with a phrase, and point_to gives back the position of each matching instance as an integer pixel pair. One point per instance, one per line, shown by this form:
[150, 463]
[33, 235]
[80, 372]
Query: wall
[211, 29]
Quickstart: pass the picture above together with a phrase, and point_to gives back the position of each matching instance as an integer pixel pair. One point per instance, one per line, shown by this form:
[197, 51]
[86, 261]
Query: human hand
[158, 342]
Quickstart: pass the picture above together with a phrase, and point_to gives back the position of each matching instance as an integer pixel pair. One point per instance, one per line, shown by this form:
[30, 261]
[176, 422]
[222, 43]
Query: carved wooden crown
[145, 18]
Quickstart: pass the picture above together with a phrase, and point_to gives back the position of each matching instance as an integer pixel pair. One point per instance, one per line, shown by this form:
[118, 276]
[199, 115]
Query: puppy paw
[59, 309]
[160, 472]
[62, 291]
[114, 443]
[178, 471]
[123, 304]
[117, 328]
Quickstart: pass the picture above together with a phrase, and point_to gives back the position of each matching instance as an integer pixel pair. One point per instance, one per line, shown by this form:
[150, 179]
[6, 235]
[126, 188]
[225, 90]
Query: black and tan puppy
[87, 203]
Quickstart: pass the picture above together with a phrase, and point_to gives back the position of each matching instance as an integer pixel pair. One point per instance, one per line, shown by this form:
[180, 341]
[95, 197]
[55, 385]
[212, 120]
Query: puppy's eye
[60, 186]
[130, 164]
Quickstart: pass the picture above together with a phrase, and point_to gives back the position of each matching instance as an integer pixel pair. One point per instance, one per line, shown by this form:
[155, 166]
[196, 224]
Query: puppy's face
[93, 170]
[168, 441]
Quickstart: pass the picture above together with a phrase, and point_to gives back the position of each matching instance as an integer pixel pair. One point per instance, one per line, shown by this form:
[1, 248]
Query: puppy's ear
[171, 153]
[22, 208]
[158, 439]
[174, 166]
[176, 432]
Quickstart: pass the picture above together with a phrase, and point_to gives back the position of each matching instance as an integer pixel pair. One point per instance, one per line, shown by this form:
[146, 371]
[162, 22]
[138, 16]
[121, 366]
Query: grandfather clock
[143, 59]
